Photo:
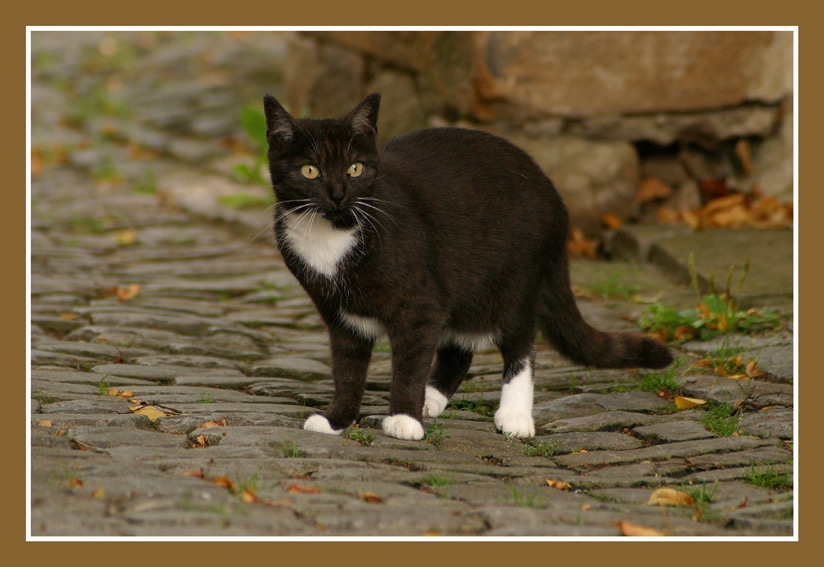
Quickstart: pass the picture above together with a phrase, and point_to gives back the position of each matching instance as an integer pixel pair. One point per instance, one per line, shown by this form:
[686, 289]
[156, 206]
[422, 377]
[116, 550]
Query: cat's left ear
[365, 116]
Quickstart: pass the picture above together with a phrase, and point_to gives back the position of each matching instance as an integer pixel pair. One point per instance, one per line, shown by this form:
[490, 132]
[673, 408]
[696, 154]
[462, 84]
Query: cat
[448, 240]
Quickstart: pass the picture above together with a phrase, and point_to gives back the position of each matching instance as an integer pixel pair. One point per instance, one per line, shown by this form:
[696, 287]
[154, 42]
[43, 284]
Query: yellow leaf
[224, 482]
[302, 489]
[559, 484]
[739, 376]
[44, 423]
[112, 392]
[69, 316]
[212, 423]
[684, 403]
[431, 534]
[75, 482]
[629, 529]
[149, 411]
[722, 322]
[579, 452]
[99, 494]
[586, 506]
[670, 497]
[126, 237]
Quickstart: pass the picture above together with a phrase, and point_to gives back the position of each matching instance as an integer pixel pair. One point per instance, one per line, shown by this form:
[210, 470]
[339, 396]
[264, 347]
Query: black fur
[466, 233]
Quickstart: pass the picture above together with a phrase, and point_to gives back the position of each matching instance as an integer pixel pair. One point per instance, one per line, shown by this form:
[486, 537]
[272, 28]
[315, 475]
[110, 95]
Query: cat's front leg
[350, 360]
[412, 353]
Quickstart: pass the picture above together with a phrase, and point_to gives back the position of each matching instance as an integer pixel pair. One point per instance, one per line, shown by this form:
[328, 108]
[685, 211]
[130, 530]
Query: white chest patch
[320, 245]
[367, 327]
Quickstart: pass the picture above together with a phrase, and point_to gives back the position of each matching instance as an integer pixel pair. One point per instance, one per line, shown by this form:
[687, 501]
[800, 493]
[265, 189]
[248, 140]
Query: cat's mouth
[340, 218]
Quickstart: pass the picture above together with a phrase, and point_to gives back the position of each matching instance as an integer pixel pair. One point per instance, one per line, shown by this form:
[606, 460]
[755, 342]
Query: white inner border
[796, 212]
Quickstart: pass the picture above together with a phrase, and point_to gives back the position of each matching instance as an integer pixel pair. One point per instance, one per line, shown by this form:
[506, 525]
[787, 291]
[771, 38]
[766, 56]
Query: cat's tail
[563, 325]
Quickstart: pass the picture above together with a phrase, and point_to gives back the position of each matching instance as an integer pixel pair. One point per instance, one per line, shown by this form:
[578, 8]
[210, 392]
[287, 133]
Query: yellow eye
[355, 169]
[310, 171]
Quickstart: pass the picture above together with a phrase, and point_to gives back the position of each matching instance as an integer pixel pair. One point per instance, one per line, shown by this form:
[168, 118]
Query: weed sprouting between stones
[42, 397]
[527, 500]
[723, 419]
[435, 434]
[435, 479]
[538, 448]
[769, 478]
[206, 398]
[615, 286]
[716, 313]
[291, 450]
[365, 438]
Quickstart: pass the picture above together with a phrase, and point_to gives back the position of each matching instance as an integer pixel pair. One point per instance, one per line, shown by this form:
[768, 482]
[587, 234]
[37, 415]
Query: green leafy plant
[435, 479]
[206, 398]
[769, 478]
[253, 123]
[716, 313]
[723, 419]
[537, 448]
[365, 438]
[435, 434]
[480, 406]
[291, 450]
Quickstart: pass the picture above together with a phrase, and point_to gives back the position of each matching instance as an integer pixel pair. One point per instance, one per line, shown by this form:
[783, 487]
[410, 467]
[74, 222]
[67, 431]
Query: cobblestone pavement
[147, 284]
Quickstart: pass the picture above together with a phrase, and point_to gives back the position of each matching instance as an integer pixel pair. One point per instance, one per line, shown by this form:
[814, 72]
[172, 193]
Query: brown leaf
[44, 423]
[611, 220]
[198, 473]
[198, 442]
[652, 189]
[302, 489]
[371, 498]
[152, 412]
[248, 496]
[277, 503]
[559, 484]
[98, 494]
[752, 369]
[75, 482]
[670, 497]
[629, 529]
[666, 214]
[212, 423]
[224, 482]
[69, 316]
[579, 245]
[127, 293]
[683, 332]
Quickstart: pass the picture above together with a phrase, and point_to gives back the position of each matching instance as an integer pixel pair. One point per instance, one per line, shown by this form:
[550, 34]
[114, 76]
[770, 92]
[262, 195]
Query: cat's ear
[279, 123]
[365, 116]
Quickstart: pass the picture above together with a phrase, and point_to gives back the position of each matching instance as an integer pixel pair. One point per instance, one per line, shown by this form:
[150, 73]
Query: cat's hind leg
[514, 415]
[451, 365]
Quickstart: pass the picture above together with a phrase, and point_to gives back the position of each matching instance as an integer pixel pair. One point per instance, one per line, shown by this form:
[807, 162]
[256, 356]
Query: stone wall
[600, 111]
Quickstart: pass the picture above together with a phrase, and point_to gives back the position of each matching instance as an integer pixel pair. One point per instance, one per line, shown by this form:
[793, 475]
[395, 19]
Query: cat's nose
[336, 199]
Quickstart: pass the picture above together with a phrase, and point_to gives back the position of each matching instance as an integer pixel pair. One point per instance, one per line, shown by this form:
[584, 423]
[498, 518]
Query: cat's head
[323, 165]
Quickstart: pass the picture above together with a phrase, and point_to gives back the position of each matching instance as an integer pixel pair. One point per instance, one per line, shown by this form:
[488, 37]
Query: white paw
[402, 426]
[319, 424]
[434, 403]
[517, 424]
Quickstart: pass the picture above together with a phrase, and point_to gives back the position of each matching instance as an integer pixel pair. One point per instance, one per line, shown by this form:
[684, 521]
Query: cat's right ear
[279, 123]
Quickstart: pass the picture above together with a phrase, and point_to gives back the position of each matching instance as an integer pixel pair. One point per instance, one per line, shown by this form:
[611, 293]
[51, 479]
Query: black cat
[446, 239]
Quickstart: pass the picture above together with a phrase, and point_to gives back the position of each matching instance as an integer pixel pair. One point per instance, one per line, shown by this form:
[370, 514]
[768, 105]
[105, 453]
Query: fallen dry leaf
[685, 403]
[75, 482]
[559, 484]
[670, 497]
[579, 245]
[629, 529]
[152, 412]
[126, 237]
[119, 393]
[579, 452]
[198, 442]
[302, 489]
[248, 496]
[69, 316]
[371, 498]
[127, 293]
[44, 423]
[651, 189]
[611, 220]
[99, 493]
[742, 150]
[752, 369]
[198, 473]
[212, 423]
[224, 482]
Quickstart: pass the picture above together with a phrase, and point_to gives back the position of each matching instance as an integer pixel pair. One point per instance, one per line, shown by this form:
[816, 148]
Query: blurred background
[683, 127]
